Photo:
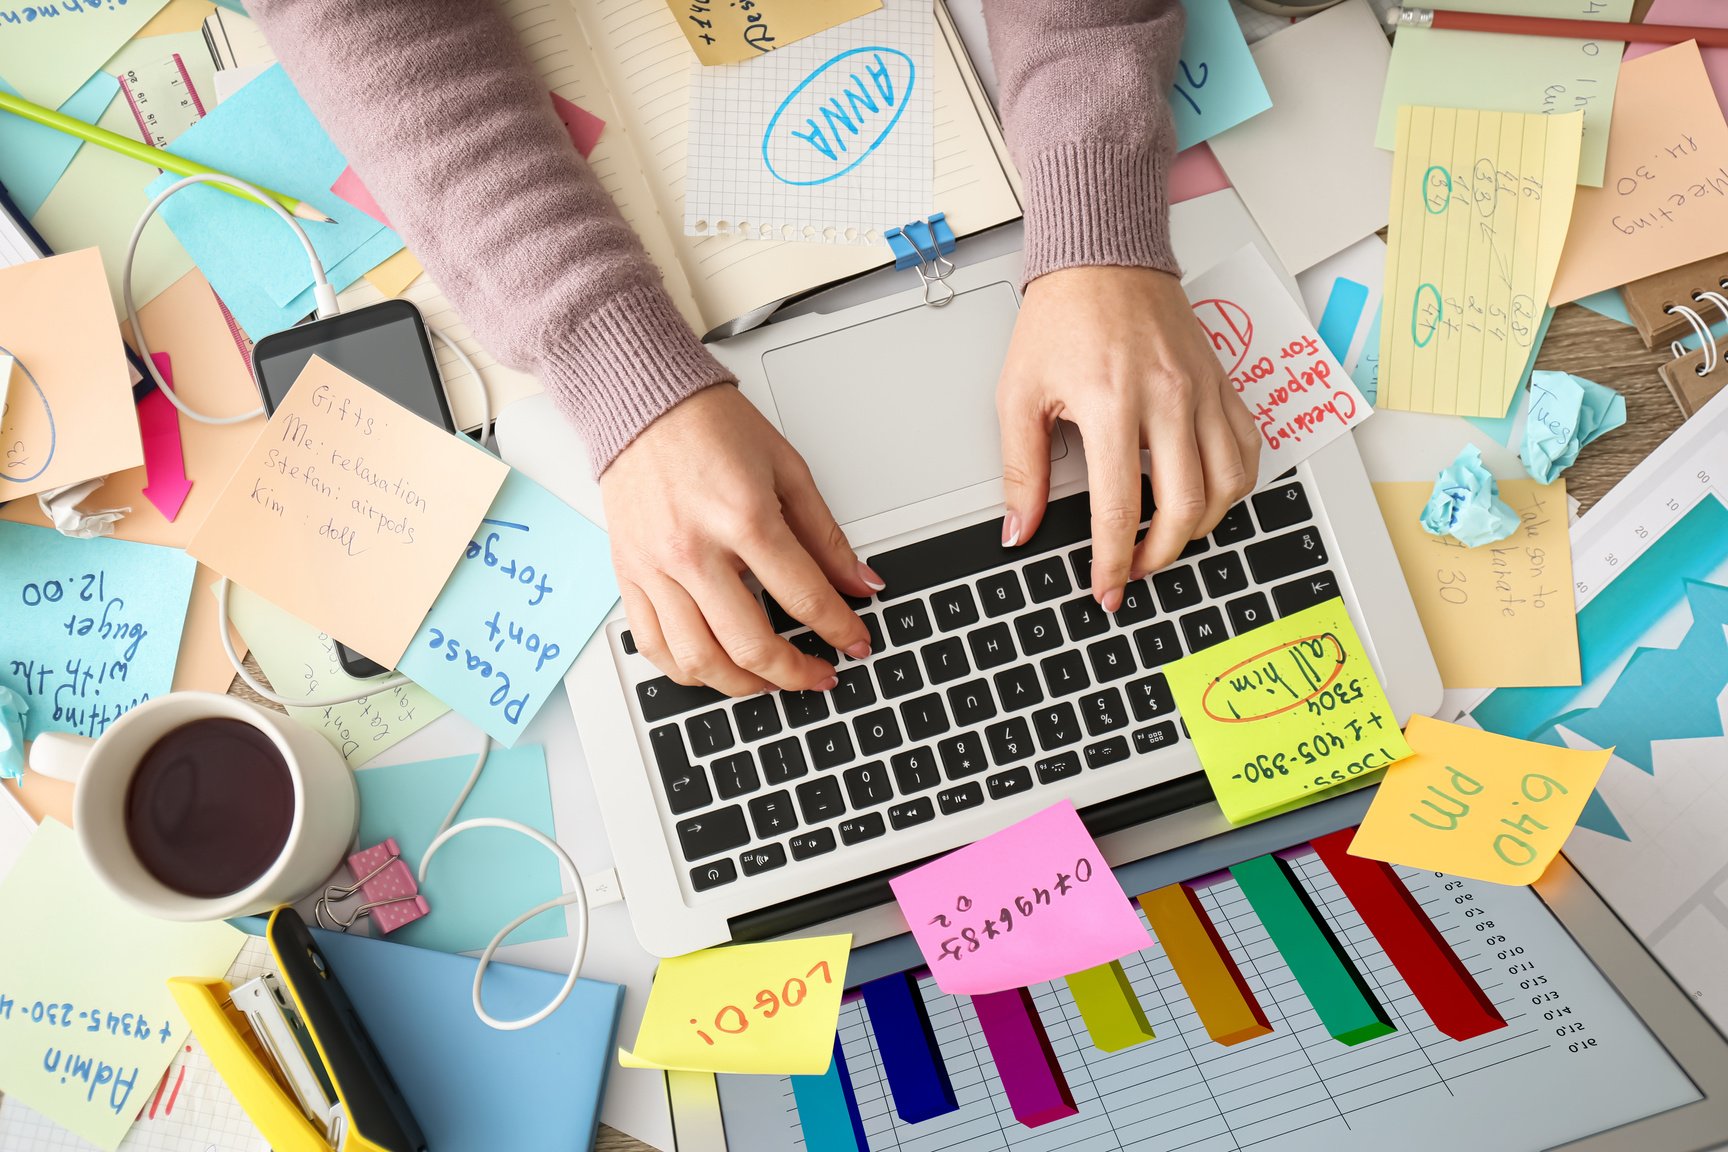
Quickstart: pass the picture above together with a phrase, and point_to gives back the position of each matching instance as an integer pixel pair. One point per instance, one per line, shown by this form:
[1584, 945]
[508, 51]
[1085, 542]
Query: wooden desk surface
[1579, 341]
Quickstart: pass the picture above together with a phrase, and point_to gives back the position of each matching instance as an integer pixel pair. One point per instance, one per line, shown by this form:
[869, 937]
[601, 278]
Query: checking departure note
[1287, 712]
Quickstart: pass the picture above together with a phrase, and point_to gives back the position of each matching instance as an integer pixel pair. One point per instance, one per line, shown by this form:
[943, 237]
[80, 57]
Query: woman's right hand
[706, 492]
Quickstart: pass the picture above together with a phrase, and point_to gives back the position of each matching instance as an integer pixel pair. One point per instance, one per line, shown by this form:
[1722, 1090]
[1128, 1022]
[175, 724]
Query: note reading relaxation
[1281, 714]
[89, 629]
[1031, 903]
[769, 1009]
[1299, 395]
[1480, 204]
[345, 489]
[1475, 804]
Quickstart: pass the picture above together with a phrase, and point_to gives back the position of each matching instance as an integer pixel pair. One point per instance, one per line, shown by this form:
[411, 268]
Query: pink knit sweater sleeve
[434, 105]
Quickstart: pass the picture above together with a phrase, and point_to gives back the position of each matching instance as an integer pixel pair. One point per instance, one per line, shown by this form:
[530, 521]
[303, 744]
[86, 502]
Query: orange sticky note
[1664, 195]
[66, 410]
[1475, 804]
[349, 511]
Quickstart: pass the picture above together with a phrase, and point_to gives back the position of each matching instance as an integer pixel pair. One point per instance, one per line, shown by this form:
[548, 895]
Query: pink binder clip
[387, 888]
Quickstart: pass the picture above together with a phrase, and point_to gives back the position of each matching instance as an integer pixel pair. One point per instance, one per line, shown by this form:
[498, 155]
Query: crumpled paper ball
[1566, 413]
[1466, 504]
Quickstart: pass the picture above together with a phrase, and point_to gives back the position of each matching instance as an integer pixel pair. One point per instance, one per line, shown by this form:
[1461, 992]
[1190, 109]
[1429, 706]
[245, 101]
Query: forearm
[435, 107]
[1085, 107]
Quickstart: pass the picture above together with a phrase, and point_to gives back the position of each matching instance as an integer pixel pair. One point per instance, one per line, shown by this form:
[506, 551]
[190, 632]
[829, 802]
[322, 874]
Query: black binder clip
[924, 245]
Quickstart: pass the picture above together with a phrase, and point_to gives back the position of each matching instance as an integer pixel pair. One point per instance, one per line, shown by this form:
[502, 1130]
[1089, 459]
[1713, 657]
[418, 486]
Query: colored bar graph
[1337, 991]
[917, 1077]
[828, 1109]
[1208, 972]
[1113, 1016]
[1036, 1088]
[1442, 985]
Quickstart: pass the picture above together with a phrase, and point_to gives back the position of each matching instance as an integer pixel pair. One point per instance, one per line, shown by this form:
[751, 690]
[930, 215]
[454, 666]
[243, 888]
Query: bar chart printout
[1542, 1026]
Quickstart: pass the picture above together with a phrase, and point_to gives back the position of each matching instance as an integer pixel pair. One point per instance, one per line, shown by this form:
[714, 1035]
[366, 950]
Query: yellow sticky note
[1475, 804]
[1498, 616]
[1480, 207]
[771, 1009]
[395, 273]
[726, 31]
[1284, 713]
[349, 511]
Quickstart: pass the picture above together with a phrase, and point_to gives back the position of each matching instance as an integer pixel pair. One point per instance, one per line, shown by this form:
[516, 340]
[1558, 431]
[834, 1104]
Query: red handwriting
[734, 1021]
[1230, 329]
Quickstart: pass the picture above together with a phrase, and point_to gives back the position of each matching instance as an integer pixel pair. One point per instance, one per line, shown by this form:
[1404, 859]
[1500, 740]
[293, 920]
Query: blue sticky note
[89, 629]
[1218, 84]
[483, 879]
[531, 587]
[1338, 323]
[1566, 413]
[1365, 373]
[32, 157]
[265, 133]
[1607, 302]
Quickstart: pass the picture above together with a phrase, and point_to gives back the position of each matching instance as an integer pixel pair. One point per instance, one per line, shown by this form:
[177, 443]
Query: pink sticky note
[1196, 172]
[348, 187]
[584, 127]
[1032, 903]
[1700, 14]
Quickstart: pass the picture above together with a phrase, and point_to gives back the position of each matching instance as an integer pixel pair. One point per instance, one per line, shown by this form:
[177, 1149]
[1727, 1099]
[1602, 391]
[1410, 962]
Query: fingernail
[868, 575]
[828, 685]
[860, 650]
[1010, 530]
[1111, 600]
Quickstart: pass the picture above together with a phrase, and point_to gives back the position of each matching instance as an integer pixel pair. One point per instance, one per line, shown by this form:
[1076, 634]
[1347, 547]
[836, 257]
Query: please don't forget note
[1299, 395]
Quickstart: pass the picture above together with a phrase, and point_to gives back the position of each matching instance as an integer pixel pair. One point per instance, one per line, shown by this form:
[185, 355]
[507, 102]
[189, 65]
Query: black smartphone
[384, 346]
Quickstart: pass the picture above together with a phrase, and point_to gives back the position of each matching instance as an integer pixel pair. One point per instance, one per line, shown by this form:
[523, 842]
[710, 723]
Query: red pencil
[1560, 29]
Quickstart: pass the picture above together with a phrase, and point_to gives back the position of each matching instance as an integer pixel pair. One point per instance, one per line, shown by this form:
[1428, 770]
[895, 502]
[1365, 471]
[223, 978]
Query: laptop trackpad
[896, 410]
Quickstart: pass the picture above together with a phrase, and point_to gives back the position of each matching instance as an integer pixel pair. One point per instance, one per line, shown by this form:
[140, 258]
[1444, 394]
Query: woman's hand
[709, 490]
[1117, 352]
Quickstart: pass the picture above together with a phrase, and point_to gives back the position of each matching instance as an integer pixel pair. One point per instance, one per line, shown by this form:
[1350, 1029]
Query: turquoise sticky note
[531, 587]
[32, 158]
[1217, 84]
[1607, 302]
[485, 878]
[89, 629]
[1365, 373]
[265, 133]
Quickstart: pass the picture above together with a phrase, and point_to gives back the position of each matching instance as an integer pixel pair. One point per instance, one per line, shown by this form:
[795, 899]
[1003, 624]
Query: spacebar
[978, 548]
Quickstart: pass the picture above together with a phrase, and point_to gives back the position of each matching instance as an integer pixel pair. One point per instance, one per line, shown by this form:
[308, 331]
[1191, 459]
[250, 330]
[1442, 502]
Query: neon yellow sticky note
[771, 1009]
[1472, 803]
[1481, 202]
[1284, 713]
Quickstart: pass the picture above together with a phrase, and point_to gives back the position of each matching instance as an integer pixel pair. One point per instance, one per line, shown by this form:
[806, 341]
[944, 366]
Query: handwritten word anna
[837, 116]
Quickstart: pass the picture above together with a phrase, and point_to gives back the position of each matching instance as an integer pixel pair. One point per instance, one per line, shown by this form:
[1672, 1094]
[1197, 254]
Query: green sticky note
[1111, 1011]
[87, 1019]
[1339, 994]
[48, 53]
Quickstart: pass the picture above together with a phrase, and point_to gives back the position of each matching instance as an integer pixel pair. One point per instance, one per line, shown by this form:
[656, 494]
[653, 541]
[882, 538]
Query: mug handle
[60, 755]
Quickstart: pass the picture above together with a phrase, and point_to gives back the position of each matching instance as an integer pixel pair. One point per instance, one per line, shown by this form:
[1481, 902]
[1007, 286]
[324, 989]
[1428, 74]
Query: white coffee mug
[326, 804]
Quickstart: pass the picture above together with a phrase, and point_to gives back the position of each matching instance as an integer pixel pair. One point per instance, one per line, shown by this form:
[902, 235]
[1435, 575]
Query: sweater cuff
[1096, 203]
[633, 359]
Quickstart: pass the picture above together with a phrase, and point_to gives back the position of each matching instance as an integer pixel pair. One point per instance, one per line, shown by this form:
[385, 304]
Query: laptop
[996, 685]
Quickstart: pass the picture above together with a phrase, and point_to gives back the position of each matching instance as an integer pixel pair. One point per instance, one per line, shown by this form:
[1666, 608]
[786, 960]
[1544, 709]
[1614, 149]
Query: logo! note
[837, 116]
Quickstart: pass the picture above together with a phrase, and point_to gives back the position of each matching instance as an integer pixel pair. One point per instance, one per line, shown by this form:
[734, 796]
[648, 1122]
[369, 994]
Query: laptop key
[1001, 594]
[804, 708]
[1224, 574]
[1103, 712]
[1057, 726]
[966, 552]
[712, 833]
[1177, 588]
[735, 775]
[908, 813]
[1038, 632]
[898, 674]
[873, 626]
[662, 697]
[1137, 606]
[756, 717]
[1286, 555]
[854, 690]
[1010, 741]
[1236, 526]
[778, 618]
[763, 859]
[1080, 560]
[1085, 618]
[1061, 766]
[867, 784]
[1305, 593]
[1018, 688]
[813, 645]
[812, 843]
[668, 745]
[1194, 548]
[771, 815]
[1248, 612]
[1156, 737]
[1065, 672]
[962, 755]
[877, 731]
[1204, 628]
[830, 746]
[924, 717]
[1107, 752]
[915, 770]
[1157, 644]
[1010, 783]
[1111, 659]
[1280, 507]
[706, 876]
[970, 703]
[954, 608]
[627, 640]
[819, 799]
[960, 798]
[783, 760]
[686, 788]
[860, 828]
[1150, 696]
[992, 646]
[907, 623]
[1047, 580]
[710, 733]
[945, 660]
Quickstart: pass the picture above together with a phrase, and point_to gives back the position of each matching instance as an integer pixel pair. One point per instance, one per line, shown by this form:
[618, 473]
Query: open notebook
[627, 62]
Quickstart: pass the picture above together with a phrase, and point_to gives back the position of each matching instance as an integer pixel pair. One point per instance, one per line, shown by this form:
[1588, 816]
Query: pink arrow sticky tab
[165, 485]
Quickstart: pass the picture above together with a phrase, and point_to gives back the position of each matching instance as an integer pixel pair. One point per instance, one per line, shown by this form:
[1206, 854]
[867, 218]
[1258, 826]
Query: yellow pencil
[156, 157]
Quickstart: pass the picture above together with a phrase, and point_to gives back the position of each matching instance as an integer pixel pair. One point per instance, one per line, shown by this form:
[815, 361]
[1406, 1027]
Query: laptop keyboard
[992, 673]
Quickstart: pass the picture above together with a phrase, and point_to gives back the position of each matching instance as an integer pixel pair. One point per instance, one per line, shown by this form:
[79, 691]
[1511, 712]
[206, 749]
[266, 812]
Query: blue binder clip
[924, 245]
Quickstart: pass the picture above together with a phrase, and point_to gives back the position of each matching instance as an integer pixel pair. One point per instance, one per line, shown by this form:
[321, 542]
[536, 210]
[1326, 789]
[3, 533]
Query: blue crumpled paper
[1466, 504]
[12, 709]
[1566, 413]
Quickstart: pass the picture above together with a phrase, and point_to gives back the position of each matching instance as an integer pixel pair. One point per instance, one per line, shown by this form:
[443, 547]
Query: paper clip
[923, 244]
[391, 897]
